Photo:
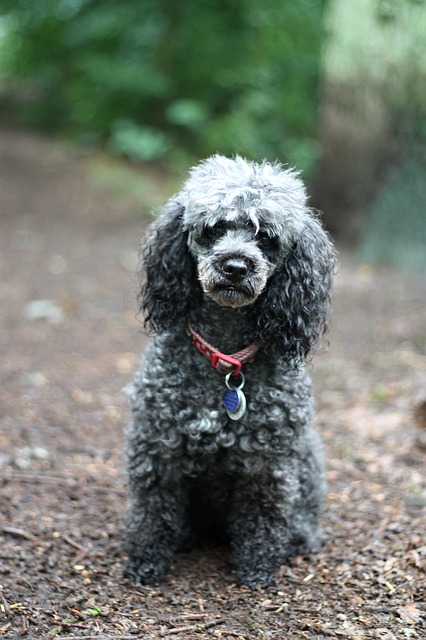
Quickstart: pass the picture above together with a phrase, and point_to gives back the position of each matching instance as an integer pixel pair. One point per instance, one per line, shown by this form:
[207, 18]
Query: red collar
[220, 361]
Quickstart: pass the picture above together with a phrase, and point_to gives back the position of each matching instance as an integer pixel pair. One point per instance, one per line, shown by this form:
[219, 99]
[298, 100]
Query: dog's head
[240, 233]
[241, 220]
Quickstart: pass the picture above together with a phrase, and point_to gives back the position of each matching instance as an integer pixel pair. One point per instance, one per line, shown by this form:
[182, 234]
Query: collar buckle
[223, 362]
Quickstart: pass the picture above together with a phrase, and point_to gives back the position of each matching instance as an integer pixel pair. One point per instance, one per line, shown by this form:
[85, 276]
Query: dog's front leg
[155, 528]
[259, 529]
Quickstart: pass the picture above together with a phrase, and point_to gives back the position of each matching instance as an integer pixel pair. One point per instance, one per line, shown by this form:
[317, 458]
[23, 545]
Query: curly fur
[238, 253]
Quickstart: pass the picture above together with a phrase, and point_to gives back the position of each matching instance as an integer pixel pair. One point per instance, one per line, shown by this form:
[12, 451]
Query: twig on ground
[18, 533]
[190, 616]
[24, 629]
[40, 479]
[101, 637]
[57, 481]
[74, 544]
[193, 627]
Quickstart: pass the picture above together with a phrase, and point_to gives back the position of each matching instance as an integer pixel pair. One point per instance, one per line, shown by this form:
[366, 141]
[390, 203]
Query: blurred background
[104, 105]
[335, 88]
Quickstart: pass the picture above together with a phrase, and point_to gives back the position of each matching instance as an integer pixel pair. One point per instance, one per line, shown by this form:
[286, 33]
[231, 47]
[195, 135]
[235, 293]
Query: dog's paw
[309, 542]
[256, 578]
[143, 572]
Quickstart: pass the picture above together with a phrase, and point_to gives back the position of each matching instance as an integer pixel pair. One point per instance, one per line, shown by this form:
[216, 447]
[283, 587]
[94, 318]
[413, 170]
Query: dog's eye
[211, 234]
[268, 244]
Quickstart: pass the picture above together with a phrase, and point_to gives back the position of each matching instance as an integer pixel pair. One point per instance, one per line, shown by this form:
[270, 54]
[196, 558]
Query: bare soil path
[69, 342]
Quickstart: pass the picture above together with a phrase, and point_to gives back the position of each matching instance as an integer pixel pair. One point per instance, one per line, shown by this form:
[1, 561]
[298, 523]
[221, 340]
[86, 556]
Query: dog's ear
[169, 285]
[293, 309]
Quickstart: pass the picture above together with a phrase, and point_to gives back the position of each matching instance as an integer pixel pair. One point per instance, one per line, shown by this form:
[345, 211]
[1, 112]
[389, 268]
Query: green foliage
[138, 143]
[153, 76]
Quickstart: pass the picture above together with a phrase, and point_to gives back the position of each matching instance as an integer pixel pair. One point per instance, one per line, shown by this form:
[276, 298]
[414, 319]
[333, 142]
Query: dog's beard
[231, 294]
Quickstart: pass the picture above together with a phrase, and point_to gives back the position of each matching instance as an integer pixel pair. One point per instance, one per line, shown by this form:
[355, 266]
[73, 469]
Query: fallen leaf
[409, 613]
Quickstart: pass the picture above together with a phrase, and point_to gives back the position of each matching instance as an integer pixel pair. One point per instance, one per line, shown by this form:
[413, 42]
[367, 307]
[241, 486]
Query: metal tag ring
[229, 386]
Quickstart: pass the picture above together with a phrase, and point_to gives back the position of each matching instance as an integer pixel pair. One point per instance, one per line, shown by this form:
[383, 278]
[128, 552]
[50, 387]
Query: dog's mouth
[231, 295]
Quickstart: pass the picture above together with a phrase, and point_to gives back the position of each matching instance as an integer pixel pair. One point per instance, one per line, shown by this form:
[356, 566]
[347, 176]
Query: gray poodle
[236, 273]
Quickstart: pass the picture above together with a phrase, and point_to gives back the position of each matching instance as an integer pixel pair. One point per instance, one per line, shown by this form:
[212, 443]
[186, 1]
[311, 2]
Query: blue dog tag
[234, 400]
[231, 400]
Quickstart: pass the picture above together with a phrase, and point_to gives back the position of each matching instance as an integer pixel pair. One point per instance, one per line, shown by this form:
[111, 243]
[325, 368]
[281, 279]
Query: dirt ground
[70, 341]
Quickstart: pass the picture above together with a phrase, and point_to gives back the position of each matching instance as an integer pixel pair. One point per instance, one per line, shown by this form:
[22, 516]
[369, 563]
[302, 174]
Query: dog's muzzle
[231, 280]
[236, 269]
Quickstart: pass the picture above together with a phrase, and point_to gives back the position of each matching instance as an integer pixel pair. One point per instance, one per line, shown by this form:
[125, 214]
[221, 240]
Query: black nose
[235, 269]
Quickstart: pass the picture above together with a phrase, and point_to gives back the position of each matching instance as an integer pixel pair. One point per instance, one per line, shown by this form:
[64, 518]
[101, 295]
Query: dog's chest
[182, 400]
